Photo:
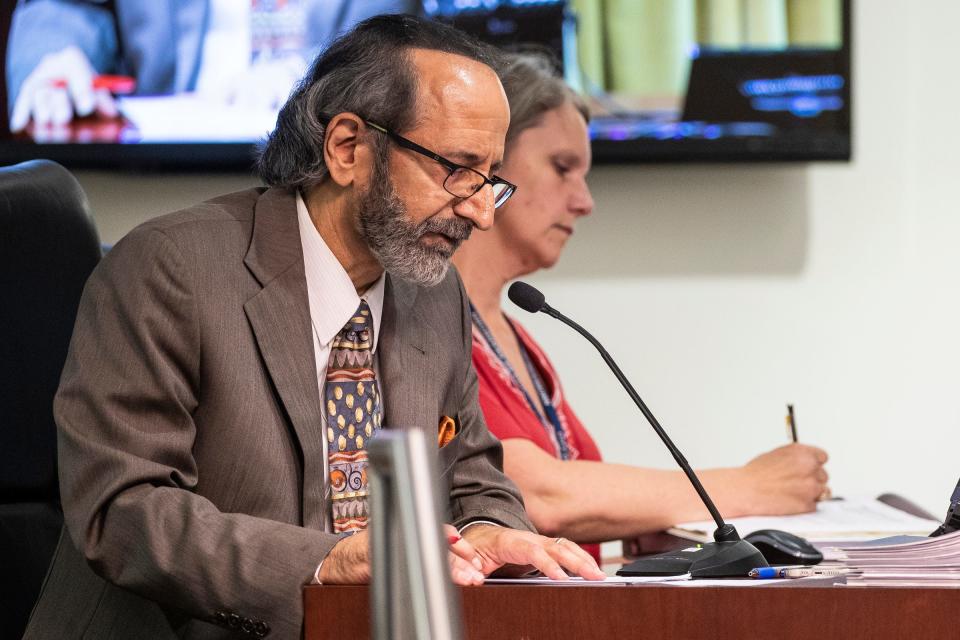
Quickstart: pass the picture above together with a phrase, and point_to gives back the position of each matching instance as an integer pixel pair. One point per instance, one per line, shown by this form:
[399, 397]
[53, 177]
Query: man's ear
[342, 151]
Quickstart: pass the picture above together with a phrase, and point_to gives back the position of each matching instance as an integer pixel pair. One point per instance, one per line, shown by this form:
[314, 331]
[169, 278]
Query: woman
[547, 451]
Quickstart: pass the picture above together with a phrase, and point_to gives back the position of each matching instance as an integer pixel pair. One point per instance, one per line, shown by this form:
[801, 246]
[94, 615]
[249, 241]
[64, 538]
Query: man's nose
[478, 208]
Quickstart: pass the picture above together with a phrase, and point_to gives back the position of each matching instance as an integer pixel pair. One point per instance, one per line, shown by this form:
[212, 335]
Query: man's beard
[397, 243]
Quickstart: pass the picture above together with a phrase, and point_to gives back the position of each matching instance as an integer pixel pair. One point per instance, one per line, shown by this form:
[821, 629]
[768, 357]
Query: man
[209, 413]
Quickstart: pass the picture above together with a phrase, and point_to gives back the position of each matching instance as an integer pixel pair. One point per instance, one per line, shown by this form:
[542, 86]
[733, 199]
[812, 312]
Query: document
[673, 581]
[834, 520]
[576, 581]
[927, 562]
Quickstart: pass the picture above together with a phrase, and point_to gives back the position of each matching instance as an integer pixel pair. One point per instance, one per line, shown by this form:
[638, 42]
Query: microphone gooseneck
[531, 299]
[728, 555]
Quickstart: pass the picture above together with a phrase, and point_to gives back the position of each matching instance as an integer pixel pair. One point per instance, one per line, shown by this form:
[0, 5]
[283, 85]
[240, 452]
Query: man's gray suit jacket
[190, 425]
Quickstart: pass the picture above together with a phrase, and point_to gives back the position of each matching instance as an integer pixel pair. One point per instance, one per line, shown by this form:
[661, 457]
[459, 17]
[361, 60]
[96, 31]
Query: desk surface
[660, 612]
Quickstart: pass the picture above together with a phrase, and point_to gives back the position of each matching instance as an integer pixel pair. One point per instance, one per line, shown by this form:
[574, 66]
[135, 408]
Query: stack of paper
[834, 520]
[924, 562]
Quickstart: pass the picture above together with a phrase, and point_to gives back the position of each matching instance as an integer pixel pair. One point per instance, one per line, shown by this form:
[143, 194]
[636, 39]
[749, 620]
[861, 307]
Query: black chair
[48, 247]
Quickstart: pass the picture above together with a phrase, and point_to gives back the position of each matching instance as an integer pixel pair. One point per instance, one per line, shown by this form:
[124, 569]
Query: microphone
[527, 297]
[728, 555]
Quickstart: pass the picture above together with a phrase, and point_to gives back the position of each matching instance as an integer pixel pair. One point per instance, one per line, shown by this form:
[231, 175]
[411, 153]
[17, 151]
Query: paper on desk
[733, 582]
[849, 519]
[576, 581]
[674, 581]
[188, 117]
[933, 562]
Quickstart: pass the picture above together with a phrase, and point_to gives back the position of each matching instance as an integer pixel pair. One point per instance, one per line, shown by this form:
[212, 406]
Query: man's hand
[789, 479]
[465, 564]
[60, 86]
[522, 550]
[349, 561]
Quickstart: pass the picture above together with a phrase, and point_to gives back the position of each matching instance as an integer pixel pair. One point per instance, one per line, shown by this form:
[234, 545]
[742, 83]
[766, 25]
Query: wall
[728, 291]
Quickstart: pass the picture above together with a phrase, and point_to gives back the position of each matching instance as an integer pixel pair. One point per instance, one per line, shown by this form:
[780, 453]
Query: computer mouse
[782, 547]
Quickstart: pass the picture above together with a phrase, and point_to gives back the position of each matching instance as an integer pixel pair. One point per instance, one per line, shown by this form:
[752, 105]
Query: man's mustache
[457, 229]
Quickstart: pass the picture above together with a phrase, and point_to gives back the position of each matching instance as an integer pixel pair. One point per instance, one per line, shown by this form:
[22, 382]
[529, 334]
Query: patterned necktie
[353, 413]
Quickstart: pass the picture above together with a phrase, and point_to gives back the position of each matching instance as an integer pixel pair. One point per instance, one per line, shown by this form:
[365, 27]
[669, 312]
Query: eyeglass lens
[501, 192]
[463, 183]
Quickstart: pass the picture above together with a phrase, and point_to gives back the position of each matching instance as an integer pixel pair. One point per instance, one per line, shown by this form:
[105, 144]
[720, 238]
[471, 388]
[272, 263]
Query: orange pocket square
[446, 430]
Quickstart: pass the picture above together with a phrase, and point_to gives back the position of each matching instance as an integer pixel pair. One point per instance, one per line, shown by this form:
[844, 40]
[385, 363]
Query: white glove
[60, 86]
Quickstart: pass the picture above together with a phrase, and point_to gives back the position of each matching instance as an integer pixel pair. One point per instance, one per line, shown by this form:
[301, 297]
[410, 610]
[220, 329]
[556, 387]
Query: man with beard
[231, 360]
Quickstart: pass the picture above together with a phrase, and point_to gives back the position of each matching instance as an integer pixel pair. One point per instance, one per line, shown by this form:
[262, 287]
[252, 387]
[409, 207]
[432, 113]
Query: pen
[796, 572]
[807, 572]
[791, 424]
[118, 85]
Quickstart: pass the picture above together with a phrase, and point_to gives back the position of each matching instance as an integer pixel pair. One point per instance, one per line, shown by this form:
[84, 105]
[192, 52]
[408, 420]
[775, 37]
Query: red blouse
[508, 414]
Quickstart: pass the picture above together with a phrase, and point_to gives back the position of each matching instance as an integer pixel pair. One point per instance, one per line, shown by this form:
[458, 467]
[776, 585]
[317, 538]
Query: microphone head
[526, 297]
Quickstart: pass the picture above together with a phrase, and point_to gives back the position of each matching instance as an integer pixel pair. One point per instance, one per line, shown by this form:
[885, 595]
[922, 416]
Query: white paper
[734, 582]
[849, 519]
[576, 581]
[933, 562]
[187, 117]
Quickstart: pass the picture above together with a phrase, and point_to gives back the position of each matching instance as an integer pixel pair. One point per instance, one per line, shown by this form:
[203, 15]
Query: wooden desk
[785, 612]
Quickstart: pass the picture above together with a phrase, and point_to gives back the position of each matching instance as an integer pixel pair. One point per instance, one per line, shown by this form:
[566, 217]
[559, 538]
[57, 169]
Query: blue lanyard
[549, 419]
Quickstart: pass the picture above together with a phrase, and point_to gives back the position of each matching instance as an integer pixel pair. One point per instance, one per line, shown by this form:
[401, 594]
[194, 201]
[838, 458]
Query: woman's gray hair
[368, 72]
[533, 87]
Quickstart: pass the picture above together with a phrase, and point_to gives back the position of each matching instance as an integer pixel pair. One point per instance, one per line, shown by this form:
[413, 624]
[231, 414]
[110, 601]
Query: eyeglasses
[462, 182]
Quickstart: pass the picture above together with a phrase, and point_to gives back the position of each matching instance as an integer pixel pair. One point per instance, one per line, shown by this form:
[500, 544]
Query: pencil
[791, 423]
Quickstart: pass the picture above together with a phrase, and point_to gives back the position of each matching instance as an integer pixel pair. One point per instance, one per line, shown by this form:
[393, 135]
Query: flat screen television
[195, 84]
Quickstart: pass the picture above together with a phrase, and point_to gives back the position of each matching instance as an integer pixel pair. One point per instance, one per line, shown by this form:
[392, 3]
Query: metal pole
[406, 538]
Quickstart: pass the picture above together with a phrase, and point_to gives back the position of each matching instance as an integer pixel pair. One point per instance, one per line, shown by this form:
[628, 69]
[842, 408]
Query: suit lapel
[280, 317]
[406, 354]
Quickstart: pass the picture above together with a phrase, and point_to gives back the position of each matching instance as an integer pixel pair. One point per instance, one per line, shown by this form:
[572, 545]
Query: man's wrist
[316, 574]
[476, 522]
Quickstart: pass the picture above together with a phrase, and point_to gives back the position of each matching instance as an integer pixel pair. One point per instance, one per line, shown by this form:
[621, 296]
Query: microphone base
[710, 560]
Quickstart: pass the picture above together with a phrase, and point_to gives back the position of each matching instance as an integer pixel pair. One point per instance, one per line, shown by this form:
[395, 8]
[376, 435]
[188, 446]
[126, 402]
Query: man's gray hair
[367, 72]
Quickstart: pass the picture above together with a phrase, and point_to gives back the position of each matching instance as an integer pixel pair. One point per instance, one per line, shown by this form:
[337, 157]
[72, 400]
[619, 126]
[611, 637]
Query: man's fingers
[61, 113]
[465, 550]
[543, 561]
[462, 572]
[462, 547]
[80, 88]
[106, 106]
[42, 110]
[20, 115]
[572, 557]
[61, 83]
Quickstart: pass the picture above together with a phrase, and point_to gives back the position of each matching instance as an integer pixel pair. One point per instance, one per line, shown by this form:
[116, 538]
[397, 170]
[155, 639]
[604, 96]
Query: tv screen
[194, 84]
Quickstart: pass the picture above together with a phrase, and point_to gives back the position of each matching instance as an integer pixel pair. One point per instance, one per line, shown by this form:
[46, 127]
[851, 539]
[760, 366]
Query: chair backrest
[48, 247]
